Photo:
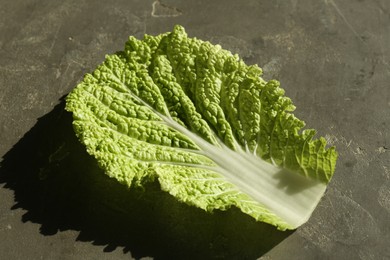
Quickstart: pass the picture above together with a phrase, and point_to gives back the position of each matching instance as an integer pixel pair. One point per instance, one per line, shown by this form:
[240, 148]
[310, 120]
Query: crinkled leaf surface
[205, 125]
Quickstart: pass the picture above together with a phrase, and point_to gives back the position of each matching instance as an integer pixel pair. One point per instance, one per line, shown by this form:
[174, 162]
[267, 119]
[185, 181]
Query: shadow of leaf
[62, 188]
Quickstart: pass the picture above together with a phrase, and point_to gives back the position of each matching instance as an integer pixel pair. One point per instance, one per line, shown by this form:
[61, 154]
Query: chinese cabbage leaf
[206, 126]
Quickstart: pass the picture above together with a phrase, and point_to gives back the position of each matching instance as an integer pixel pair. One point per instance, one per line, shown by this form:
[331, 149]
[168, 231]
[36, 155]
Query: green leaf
[205, 125]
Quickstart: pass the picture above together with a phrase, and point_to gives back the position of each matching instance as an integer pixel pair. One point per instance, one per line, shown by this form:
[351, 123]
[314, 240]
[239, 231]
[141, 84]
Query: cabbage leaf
[206, 126]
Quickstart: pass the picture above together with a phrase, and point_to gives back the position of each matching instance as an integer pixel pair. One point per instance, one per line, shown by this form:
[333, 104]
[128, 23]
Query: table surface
[332, 58]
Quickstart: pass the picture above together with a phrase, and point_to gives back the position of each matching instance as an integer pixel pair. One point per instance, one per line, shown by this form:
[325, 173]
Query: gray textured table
[332, 57]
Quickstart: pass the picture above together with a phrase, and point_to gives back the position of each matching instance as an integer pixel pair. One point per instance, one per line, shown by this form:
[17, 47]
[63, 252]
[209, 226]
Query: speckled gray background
[332, 57]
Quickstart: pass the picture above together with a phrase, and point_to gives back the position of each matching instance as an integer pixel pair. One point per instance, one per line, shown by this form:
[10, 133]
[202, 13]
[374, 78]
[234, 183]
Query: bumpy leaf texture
[206, 126]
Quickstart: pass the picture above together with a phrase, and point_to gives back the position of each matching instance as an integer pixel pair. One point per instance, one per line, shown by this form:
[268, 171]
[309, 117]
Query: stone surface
[331, 57]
